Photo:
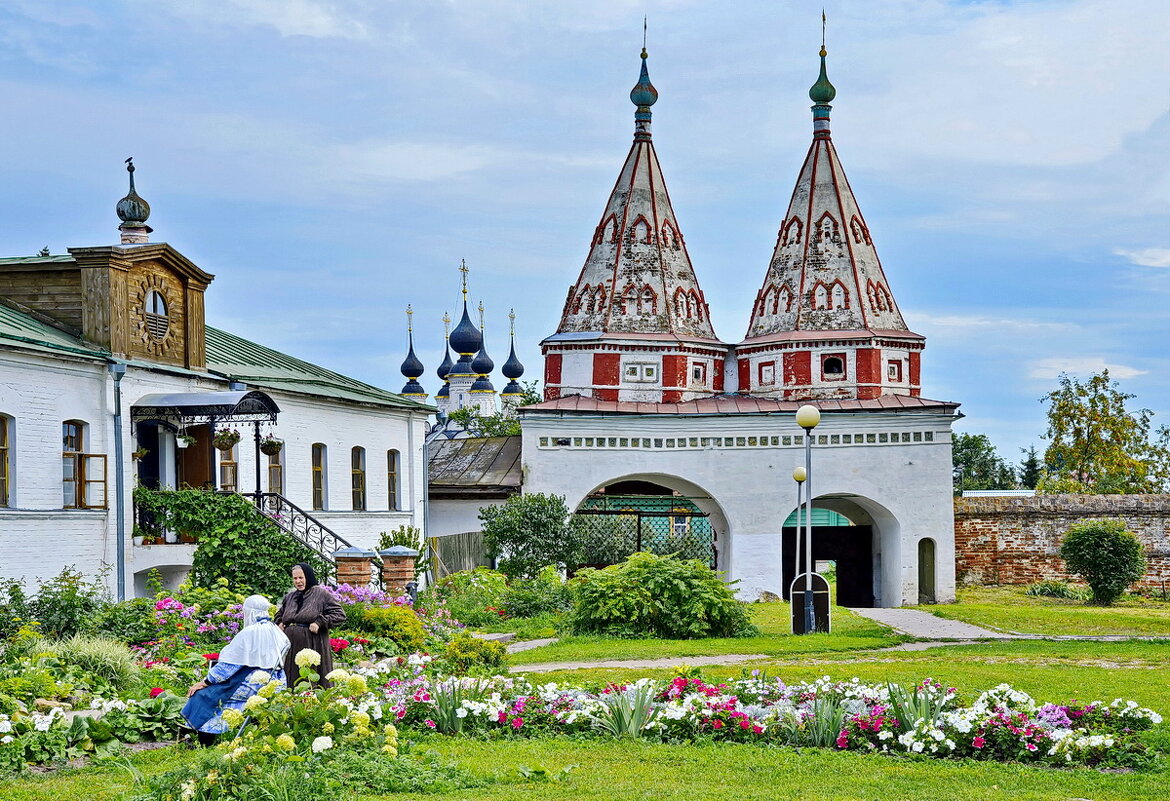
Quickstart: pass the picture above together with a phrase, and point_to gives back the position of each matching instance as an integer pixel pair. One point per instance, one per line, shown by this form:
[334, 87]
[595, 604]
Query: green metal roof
[60, 259]
[228, 355]
[241, 360]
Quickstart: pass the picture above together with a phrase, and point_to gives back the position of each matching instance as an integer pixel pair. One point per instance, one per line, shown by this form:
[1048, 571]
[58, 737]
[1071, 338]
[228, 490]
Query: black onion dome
[513, 388]
[412, 387]
[512, 368]
[482, 364]
[444, 392]
[461, 367]
[446, 365]
[412, 368]
[466, 339]
[482, 384]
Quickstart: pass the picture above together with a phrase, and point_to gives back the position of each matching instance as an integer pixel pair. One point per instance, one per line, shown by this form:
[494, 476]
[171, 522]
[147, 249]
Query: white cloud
[313, 18]
[1146, 257]
[1082, 366]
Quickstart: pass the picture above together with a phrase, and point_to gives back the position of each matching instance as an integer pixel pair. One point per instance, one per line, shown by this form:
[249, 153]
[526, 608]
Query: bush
[528, 532]
[473, 597]
[107, 659]
[657, 596]
[544, 594]
[1056, 589]
[1105, 555]
[412, 538]
[399, 623]
[130, 621]
[14, 611]
[67, 603]
[466, 653]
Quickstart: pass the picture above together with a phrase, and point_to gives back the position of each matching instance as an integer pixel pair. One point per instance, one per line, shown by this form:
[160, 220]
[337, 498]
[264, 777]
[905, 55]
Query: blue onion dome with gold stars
[132, 210]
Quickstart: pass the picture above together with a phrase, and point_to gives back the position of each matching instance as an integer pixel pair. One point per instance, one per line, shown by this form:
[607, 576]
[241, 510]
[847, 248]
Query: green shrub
[473, 597]
[546, 593]
[68, 603]
[1056, 589]
[657, 596]
[30, 685]
[1105, 555]
[108, 660]
[14, 611]
[130, 621]
[399, 623]
[528, 532]
[466, 653]
[410, 537]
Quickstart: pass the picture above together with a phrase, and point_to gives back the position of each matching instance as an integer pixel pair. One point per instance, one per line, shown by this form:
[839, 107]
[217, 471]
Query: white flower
[236, 754]
[339, 674]
[307, 657]
[5, 727]
[255, 702]
[260, 677]
[6, 739]
[323, 743]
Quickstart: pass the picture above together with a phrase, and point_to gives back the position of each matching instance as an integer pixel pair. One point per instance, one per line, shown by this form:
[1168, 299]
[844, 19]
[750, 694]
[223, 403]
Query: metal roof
[739, 404]
[26, 331]
[474, 467]
[238, 407]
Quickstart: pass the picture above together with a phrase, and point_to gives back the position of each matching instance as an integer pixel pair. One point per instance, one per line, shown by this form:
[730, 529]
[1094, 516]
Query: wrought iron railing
[299, 524]
[609, 536]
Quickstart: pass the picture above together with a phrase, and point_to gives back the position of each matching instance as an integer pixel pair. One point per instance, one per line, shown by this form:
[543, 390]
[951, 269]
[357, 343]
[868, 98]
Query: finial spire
[822, 92]
[823, 21]
[133, 211]
[481, 316]
[643, 95]
[446, 325]
[463, 269]
[409, 319]
[643, 36]
[512, 323]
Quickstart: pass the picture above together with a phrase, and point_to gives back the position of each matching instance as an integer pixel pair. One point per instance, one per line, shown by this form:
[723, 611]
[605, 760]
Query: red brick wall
[607, 369]
[674, 371]
[1017, 540]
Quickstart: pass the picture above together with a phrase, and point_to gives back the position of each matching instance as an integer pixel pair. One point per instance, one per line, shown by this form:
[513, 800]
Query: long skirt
[301, 638]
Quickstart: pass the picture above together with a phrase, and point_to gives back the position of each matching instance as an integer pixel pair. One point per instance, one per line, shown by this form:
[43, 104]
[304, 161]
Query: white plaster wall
[905, 488]
[38, 538]
[577, 372]
[457, 516]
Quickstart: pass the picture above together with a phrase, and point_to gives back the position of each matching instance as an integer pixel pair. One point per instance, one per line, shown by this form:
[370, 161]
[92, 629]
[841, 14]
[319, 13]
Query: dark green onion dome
[822, 91]
[512, 368]
[644, 94]
[132, 210]
[466, 339]
[445, 366]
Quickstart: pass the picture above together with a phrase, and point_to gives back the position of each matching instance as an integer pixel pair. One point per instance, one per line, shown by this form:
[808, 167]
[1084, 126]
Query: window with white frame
[640, 372]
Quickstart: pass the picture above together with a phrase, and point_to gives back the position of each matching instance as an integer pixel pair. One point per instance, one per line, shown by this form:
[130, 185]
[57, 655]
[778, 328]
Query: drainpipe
[118, 371]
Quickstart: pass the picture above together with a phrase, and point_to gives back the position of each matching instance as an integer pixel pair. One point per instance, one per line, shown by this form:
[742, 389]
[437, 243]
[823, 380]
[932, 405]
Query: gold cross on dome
[463, 269]
[446, 325]
[409, 318]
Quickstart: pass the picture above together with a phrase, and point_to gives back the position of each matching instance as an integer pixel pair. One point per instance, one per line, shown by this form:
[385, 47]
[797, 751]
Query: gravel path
[926, 626]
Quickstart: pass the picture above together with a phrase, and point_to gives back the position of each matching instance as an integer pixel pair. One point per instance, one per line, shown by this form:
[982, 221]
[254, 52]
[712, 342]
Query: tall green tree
[978, 465]
[1031, 469]
[529, 532]
[1098, 445]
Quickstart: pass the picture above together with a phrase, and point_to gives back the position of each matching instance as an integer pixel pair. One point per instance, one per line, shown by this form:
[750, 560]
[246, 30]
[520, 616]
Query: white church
[660, 433]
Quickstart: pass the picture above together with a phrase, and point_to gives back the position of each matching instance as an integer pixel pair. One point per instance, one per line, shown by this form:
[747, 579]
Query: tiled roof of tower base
[741, 404]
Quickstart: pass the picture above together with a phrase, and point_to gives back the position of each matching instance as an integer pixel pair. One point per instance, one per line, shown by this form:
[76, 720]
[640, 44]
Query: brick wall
[1017, 540]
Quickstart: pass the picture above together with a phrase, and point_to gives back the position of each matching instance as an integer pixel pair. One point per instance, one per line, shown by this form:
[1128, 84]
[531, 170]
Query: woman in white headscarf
[254, 657]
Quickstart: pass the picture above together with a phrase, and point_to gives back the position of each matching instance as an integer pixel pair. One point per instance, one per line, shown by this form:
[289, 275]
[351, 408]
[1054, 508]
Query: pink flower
[429, 723]
[717, 724]
[517, 722]
[843, 739]
[1031, 746]
[155, 692]
[978, 742]
[744, 723]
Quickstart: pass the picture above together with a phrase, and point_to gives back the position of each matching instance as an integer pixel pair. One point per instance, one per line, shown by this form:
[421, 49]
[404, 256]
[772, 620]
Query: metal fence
[609, 536]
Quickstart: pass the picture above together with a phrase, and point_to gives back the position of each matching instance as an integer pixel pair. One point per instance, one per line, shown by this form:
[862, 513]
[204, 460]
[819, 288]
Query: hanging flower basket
[271, 446]
[184, 440]
[225, 439]
[138, 453]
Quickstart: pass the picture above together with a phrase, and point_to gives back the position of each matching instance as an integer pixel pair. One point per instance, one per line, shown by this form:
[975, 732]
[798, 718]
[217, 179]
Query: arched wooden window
[6, 424]
[320, 475]
[229, 469]
[276, 472]
[357, 472]
[392, 460]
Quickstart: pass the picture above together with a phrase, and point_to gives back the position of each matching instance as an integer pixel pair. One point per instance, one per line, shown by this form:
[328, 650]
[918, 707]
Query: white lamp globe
[807, 417]
[799, 473]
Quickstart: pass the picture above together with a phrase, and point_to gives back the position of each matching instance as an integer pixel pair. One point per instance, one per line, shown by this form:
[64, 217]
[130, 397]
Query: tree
[1105, 555]
[500, 424]
[529, 532]
[1099, 446]
[978, 465]
[1031, 469]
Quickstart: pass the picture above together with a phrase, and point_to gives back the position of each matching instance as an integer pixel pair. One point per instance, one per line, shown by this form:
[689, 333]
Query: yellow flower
[340, 674]
[285, 742]
[360, 719]
[270, 689]
[389, 749]
[233, 718]
[307, 657]
[327, 728]
[255, 702]
[356, 685]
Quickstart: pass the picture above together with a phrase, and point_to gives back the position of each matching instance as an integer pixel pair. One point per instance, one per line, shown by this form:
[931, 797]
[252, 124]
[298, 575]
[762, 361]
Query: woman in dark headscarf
[306, 615]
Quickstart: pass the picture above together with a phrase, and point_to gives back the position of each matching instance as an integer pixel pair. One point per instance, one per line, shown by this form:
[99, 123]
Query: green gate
[610, 528]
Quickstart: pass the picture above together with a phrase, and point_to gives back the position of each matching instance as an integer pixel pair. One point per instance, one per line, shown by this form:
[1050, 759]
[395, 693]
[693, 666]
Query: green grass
[526, 628]
[850, 632]
[1010, 609]
[703, 772]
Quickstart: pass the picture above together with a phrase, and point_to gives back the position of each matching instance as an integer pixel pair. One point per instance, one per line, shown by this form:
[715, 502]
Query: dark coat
[320, 607]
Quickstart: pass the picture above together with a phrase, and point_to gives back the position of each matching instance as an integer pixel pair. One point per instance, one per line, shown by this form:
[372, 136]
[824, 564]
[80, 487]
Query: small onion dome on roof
[822, 91]
[512, 368]
[482, 364]
[482, 384]
[446, 365]
[444, 391]
[461, 368]
[412, 387]
[513, 388]
[132, 210]
[411, 366]
[644, 93]
[466, 339]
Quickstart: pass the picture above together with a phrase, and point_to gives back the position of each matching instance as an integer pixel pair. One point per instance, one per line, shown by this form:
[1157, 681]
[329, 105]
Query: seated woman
[253, 658]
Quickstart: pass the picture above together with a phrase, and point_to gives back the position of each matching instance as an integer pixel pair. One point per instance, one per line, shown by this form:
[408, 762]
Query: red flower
[717, 724]
[338, 645]
[211, 656]
[155, 692]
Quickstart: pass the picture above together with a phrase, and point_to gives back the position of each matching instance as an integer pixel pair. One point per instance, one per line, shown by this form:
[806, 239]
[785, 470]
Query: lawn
[850, 632]
[1010, 609]
[702, 772]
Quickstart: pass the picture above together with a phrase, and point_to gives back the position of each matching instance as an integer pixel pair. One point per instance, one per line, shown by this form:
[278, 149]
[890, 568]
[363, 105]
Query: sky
[331, 162]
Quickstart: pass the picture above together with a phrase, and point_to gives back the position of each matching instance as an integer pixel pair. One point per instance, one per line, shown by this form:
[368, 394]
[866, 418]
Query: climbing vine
[236, 541]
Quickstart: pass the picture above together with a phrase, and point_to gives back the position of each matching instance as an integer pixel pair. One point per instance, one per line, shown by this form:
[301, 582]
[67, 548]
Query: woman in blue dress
[254, 657]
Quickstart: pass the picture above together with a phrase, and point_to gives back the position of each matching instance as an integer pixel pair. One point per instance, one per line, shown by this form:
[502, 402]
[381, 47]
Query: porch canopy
[246, 406]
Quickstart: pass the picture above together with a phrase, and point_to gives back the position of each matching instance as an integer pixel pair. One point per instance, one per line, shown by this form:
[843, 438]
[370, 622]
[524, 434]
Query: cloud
[970, 324]
[312, 18]
[1146, 257]
[1080, 365]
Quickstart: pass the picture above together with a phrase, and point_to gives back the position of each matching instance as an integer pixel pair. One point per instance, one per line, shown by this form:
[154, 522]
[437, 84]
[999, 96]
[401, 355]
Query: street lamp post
[798, 475]
[807, 417]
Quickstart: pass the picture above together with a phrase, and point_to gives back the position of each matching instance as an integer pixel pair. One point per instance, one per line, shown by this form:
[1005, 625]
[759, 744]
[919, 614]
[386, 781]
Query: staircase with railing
[299, 524]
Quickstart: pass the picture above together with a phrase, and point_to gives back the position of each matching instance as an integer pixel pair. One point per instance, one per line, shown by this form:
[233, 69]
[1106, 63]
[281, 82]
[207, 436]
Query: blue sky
[331, 162]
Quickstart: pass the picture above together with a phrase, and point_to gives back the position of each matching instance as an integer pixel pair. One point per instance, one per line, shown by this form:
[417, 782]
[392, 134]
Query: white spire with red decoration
[825, 323]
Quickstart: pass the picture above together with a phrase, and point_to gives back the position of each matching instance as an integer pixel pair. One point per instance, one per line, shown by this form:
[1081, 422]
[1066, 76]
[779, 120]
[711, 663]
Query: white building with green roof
[110, 378]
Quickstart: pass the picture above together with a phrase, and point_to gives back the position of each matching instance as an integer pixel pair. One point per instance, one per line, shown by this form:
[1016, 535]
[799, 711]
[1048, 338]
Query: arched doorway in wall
[853, 532]
[926, 572]
[655, 513]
